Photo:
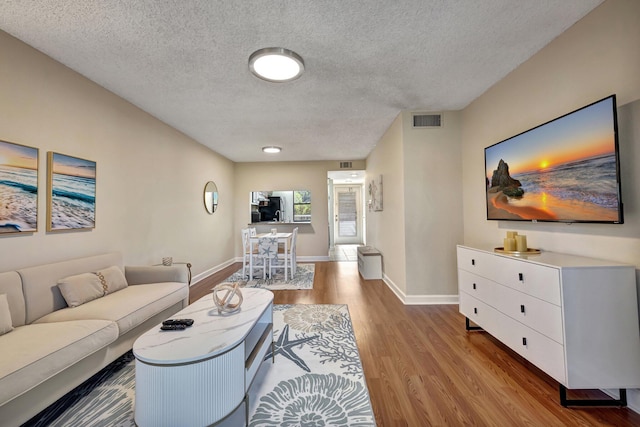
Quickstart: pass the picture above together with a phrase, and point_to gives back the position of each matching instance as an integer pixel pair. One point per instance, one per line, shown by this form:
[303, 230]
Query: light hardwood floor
[423, 369]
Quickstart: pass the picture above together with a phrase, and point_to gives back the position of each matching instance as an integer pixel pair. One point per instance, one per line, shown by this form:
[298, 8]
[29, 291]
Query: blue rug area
[303, 279]
[313, 377]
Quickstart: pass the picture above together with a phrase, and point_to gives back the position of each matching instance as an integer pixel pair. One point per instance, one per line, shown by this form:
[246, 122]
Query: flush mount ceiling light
[276, 64]
[272, 149]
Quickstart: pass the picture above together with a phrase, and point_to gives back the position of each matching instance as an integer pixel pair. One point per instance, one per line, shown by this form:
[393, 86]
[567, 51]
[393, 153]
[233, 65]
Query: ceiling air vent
[345, 165]
[427, 120]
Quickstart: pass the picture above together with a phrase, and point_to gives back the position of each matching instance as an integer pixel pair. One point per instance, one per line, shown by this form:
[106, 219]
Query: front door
[348, 214]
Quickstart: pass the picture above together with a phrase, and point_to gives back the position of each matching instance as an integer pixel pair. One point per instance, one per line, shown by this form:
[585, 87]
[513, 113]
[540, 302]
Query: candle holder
[529, 251]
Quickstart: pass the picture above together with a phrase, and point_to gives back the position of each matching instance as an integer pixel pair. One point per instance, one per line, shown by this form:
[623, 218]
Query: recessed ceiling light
[272, 149]
[276, 64]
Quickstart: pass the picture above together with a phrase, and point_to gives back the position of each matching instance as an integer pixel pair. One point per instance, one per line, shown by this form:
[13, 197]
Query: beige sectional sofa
[50, 348]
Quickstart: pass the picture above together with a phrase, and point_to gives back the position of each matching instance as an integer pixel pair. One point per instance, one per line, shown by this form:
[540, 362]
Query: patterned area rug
[316, 379]
[303, 279]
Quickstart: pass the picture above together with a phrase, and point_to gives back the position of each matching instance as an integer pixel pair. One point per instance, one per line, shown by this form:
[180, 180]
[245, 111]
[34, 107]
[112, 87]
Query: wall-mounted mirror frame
[210, 197]
[281, 206]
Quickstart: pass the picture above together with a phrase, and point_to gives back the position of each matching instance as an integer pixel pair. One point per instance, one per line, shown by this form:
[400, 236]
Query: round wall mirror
[211, 197]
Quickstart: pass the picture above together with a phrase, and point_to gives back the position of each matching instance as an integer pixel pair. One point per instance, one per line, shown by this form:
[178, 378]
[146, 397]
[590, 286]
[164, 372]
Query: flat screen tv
[565, 170]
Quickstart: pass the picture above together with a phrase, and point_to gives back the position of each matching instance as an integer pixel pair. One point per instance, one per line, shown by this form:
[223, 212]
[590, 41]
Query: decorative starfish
[284, 346]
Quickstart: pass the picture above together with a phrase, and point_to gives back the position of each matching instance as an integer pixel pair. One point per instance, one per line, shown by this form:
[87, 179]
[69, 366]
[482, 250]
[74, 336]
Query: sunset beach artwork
[565, 170]
[72, 193]
[18, 188]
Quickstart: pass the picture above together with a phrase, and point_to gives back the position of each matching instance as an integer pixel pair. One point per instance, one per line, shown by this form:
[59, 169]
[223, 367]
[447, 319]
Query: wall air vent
[427, 120]
[345, 165]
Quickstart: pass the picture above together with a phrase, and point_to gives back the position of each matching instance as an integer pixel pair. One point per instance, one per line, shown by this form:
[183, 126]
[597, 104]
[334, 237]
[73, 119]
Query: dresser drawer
[479, 287]
[476, 262]
[543, 352]
[536, 280]
[539, 315]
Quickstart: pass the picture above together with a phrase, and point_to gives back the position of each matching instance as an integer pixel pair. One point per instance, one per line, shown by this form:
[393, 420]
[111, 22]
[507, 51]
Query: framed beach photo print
[71, 196]
[18, 188]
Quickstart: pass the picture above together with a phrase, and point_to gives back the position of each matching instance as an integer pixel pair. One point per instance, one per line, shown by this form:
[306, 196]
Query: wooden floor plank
[424, 369]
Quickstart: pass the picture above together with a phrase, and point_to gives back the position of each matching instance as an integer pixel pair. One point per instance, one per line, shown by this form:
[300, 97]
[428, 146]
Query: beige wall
[598, 56]
[433, 206]
[386, 228]
[313, 239]
[421, 222]
[150, 178]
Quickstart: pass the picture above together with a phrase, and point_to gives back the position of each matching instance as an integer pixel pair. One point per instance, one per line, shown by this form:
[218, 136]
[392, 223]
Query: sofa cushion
[32, 354]
[40, 283]
[114, 279]
[5, 315]
[81, 288]
[11, 285]
[128, 308]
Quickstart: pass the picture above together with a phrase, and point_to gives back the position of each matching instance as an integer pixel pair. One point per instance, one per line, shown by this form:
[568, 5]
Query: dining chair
[291, 253]
[268, 252]
[248, 250]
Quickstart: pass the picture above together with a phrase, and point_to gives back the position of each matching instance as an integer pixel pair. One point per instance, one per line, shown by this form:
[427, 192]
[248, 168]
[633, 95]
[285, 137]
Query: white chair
[268, 253]
[291, 253]
[248, 250]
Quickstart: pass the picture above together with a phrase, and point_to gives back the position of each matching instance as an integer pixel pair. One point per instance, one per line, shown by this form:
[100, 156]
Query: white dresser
[573, 317]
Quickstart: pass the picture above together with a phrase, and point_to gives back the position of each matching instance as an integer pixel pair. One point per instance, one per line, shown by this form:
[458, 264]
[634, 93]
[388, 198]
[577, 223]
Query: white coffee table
[200, 375]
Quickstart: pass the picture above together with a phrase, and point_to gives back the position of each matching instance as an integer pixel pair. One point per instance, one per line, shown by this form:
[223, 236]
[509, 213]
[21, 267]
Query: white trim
[312, 258]
[212, 270]
[419, 299]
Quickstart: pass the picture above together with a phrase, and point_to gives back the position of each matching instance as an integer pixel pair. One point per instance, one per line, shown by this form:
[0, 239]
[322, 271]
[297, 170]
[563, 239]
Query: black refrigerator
[272, 210]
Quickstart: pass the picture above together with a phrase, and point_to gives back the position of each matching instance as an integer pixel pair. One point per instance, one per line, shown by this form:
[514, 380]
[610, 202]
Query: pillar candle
[509, 244]
[521, 243]
[512, 234]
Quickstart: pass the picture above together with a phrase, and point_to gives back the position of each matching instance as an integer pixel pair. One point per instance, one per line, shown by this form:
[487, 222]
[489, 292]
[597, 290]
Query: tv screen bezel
[620, 209]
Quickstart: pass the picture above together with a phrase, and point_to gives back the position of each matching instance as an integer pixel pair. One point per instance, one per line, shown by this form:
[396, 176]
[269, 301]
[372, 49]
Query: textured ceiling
[185, 62]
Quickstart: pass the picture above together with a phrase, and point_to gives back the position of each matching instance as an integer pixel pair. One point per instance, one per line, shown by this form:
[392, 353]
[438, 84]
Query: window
[301, 206]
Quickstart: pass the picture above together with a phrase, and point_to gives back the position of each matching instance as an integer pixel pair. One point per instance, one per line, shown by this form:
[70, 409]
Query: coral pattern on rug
[313, 378]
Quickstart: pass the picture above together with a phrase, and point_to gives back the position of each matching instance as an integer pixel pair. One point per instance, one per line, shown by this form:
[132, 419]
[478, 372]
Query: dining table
[283, 238]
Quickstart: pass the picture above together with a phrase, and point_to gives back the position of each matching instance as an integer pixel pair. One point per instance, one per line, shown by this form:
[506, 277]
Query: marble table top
[211, 334]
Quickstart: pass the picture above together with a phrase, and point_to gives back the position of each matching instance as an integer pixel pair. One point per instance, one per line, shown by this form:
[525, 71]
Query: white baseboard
[312, 258]
[419, 299]
[212, 270]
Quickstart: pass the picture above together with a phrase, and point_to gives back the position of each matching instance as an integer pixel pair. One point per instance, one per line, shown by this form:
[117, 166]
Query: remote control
[173, 327]
[186, 322]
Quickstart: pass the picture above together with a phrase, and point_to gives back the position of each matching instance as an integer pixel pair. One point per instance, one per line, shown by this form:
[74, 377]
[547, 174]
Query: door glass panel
[347, 215]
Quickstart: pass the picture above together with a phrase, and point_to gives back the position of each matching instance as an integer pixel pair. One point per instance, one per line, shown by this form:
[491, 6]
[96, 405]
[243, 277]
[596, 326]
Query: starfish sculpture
[284, 346]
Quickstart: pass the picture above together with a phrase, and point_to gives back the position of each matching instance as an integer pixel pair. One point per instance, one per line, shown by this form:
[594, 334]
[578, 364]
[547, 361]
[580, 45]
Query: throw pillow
[82, 288]
[5, 315]
[114, 279]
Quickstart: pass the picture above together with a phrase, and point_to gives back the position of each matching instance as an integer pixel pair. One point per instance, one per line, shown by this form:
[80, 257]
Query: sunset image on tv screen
[565, 170]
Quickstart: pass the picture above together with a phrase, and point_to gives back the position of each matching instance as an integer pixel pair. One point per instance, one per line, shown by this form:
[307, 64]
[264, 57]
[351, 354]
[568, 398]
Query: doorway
[347, 214]
[347, 221]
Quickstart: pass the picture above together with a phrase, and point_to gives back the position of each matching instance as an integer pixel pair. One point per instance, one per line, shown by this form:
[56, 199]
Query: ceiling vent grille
[345, 165]
[427, 120]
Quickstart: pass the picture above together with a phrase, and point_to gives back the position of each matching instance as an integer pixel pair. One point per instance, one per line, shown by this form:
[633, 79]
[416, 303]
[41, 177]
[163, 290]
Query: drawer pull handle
[474, 286]
[473, 262]
[521, 277]
[522, 308]
[475, 310]
[524, 341]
